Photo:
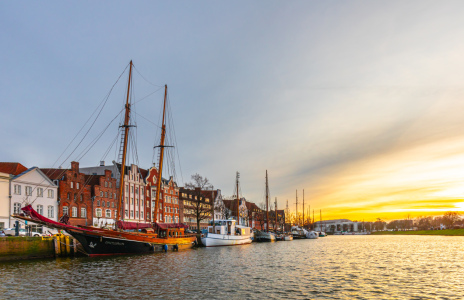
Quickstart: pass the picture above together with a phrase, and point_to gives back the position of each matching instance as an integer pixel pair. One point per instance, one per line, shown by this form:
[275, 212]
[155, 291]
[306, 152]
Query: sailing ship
[228, 232]
[100, 241]
[266, 236]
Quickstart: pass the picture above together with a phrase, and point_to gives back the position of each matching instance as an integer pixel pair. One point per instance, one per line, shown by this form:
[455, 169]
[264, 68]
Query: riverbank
[446, 232]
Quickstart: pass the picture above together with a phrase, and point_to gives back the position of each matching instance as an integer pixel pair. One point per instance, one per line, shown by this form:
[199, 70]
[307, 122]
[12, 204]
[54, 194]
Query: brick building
[74, 195]
[104, 192]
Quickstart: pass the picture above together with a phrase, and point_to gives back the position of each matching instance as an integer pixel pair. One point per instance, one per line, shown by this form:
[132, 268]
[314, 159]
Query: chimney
[102, 163]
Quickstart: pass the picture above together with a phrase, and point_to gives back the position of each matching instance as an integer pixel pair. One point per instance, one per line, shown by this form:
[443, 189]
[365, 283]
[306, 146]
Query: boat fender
[175, 247]
[165, 248]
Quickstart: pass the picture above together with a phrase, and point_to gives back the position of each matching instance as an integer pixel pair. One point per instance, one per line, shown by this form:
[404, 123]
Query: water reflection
[336, 267]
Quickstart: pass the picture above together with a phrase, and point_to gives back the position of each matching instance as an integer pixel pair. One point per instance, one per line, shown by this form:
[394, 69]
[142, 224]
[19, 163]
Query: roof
[54, 174]
[13, 168]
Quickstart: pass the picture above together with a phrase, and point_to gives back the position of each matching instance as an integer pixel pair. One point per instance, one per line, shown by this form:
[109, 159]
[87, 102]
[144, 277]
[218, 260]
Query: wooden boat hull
[112, 243]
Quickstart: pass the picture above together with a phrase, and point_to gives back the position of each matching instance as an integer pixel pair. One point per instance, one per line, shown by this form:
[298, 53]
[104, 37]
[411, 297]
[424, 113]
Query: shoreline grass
[445, 232]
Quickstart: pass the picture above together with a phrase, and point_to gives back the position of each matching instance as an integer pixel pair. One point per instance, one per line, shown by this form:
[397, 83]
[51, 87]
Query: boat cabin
[227, 227]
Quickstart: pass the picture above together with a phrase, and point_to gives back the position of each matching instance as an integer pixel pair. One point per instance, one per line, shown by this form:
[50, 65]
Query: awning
[133, 225]
[170, 225]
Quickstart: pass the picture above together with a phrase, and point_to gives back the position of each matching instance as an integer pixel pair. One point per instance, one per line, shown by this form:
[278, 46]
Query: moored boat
[262, 236]
[226, 233]
[100, 241]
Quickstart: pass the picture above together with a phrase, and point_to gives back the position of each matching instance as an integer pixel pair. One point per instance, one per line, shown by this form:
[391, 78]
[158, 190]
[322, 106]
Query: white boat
[226, 233]
[288, 237]
[322, 234]
[298, 233]
[262, 236]
[311, 234]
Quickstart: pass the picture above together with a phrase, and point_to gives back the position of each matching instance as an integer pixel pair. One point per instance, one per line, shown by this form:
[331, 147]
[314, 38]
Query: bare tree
[198, 182]
[449, 218]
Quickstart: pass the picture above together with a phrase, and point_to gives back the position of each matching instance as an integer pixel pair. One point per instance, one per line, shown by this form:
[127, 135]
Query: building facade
[195, 205]
[104, 192]
[74, 194]
[33, 187]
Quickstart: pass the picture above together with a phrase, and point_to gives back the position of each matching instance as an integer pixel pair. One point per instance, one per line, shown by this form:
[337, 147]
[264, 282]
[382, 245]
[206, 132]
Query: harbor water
[335, 267]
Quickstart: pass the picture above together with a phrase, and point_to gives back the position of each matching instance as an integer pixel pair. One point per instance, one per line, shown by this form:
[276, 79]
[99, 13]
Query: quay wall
[12, 248]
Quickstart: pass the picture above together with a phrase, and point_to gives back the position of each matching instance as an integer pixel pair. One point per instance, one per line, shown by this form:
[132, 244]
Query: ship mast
[238, 200]
[275, 229]
[267, 204]
[297, 221]
[303, 210]
[126, 136]
[160, 166]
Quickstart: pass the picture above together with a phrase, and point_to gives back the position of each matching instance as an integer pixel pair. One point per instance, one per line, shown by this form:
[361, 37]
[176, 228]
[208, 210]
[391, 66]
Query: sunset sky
[359, 103]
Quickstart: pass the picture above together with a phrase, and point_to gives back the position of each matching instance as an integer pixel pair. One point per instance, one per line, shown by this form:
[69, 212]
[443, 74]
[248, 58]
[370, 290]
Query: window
[111, 185]
[106, 194]
[65, 210]
[40, 209]
[98, 212]
[69, 195]
[75, 197]
[103, 203]
[40, 192]
[50, 193]
[28, 191]
[82, 197]
[136, 190]
[98, 202]
[132, 201]
[108, 213]
[72, 184]
[161, 206]
[127, 188]
[127, 213]
[106, 184]
[51, 211]
[114, 194]
[101, 194]
[17, 208]
[111, 195]
[83, 212]
[74, 212]
[132, 214]
[77, 185]
[137, 214]
[112, 204]
[132, 189]
[108, 204]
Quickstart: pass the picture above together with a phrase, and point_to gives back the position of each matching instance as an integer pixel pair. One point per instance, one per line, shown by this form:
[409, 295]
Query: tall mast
[320, 216]
[238, 199]
[161, 146]
[296, 212]
[267, 205]
[275, 229]
[126, 135]
[303, 210]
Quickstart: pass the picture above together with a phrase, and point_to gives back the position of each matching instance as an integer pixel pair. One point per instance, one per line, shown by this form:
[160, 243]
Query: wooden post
[57, 245]
[68, 247]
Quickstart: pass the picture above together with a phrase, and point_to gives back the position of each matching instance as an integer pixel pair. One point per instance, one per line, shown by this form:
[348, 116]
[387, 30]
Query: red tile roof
[13, 168]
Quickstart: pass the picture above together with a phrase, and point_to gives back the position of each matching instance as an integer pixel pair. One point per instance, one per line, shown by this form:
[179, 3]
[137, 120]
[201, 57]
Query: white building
[5, 200]
[35, 188]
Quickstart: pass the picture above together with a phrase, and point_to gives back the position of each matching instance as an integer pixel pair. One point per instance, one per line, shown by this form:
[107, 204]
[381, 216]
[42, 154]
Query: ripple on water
[336, 267]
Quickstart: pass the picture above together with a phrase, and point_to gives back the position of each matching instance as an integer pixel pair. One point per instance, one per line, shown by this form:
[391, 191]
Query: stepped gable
[13, 168]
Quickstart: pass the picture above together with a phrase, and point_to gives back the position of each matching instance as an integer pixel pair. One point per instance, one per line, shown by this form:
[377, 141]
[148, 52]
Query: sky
[358, 103]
